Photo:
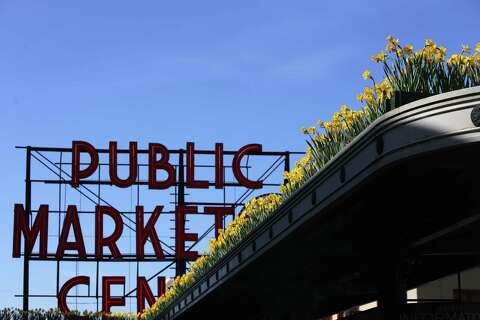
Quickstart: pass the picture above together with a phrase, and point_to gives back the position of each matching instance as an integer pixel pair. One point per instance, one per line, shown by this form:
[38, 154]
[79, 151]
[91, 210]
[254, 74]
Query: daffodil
[477, 58]
[408, 49]
[392, 40]
[383, 90]
[455, 59]
[321, 139]
[367, 95]
[344, 109]
[440, 54]
[379, 57]
[390, 47]
[429, 43]
[366, 74]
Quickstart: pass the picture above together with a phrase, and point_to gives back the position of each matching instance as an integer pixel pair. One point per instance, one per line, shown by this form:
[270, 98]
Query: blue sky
[203, 71]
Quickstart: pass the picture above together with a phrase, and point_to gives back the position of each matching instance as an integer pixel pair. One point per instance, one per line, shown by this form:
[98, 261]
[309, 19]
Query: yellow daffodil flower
[366, 74]
[381, 57]
[429, 43]
[408, 50]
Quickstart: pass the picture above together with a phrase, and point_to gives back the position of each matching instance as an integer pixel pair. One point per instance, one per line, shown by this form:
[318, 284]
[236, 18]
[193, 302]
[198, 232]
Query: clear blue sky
[203, 71]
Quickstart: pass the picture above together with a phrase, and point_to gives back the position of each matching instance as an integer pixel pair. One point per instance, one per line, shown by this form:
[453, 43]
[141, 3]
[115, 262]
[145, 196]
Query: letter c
[62, 295]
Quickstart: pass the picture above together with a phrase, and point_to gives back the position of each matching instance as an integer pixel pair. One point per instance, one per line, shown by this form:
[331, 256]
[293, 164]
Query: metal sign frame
[92, 190]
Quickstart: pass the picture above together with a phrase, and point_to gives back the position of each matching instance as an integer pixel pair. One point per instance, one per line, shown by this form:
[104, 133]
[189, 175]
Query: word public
[158, 160]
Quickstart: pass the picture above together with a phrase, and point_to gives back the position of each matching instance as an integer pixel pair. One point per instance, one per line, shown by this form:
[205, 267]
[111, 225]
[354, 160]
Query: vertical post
[28, 198]
[181, 266]
[287, 164]
[97, 269]
[390, 260]
[459, 284]
[225, 199]
[136, 227]
[59, 217]
[392, 288]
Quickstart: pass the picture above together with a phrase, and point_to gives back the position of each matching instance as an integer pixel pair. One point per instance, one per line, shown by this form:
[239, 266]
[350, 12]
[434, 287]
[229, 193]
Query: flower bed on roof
[55, 314]
[408, 75]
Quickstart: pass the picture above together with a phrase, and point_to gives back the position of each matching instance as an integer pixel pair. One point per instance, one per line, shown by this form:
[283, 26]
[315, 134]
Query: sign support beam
[28, 212]
[181, 265]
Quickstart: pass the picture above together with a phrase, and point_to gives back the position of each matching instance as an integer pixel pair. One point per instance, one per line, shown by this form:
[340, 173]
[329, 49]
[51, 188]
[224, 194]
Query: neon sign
[158, 160]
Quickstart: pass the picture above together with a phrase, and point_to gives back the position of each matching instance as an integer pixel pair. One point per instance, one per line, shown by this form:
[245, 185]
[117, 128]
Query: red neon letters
[144, 232]
[144, 292]
[34, 227]
[40, 226]
[109, 241]
[181, 236]
[77, 174]
[191, 182]
[62, 295]
[71, 219]
[154, 164]
[248, 149]
[148, 231]
[132, 165]
[107, 300]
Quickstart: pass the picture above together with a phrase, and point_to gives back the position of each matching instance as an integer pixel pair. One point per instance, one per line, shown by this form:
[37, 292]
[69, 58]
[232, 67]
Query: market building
[396, 211]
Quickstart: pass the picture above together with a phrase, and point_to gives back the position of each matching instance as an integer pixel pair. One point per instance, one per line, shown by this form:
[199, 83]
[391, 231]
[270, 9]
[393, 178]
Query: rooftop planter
[434, 124]
[343, 154]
